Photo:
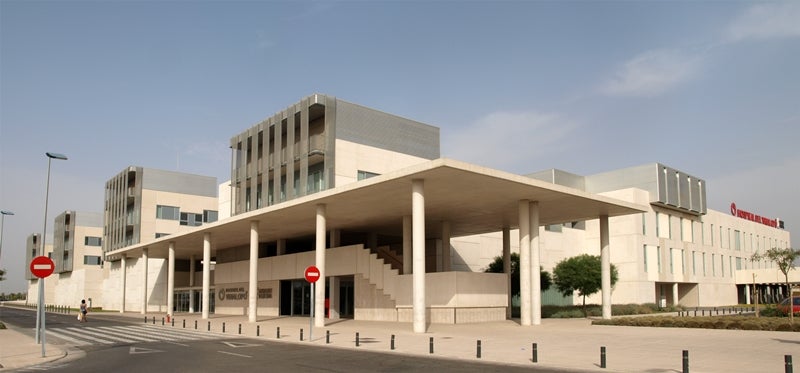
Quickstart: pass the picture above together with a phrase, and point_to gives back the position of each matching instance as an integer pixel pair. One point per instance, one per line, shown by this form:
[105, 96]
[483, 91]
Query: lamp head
[56, 156]
[4, 212]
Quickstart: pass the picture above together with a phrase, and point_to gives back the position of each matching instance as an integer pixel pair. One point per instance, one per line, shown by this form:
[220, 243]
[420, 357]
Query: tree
[581, 273]
[497, 267]
[2, 274]
[784, 259]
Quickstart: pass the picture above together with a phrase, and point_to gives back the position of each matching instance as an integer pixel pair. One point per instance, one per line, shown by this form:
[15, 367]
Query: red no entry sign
[312, 274]
[42, 266]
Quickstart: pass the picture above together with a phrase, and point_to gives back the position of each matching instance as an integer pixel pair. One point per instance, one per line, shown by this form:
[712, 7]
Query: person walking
[83, 310]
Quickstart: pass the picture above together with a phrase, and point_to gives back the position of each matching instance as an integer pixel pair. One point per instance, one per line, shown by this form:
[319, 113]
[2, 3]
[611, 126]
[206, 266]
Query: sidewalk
[18, 350]
[561, 343]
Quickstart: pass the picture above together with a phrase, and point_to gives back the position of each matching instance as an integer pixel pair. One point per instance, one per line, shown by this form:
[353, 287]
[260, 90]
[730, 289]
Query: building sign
[240, 293]
[753, 217]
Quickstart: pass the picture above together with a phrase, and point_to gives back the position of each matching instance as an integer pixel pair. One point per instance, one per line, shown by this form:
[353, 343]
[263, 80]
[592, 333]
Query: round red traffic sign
[312, 274]
[42, 266]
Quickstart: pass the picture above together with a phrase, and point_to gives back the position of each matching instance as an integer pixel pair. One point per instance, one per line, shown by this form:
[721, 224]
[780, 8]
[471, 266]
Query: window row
[186, 218]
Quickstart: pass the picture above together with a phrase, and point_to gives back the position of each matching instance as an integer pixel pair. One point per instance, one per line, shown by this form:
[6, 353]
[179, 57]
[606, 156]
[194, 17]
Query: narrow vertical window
[644, 255]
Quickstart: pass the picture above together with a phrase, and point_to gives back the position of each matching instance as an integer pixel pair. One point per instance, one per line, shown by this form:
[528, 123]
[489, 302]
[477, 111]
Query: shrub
[567, 314]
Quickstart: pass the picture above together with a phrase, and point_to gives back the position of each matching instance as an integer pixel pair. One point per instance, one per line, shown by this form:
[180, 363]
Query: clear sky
[710, 88]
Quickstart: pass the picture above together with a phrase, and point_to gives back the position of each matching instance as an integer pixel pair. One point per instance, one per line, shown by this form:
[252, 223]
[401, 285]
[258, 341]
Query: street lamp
[3, 214]
[40, 308]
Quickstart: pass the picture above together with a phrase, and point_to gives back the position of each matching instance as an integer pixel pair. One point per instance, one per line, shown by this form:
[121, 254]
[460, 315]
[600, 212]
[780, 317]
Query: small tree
[582, 273]
[497, 267]
[2, 274]
[784, 259]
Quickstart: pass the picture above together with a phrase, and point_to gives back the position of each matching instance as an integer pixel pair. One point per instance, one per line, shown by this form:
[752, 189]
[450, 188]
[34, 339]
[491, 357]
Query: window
[191, 219]
[92, 241]
[694, 263]
[553, 228]
[704, 264]
[159, 235]
[644, 224]
[658, 256]
[167, 212]
[737, 241]
[711, 233]
[738, 263]
[714, 265]
[210, 216]
[363, 175]
[671, 264]
[683, 261]
[91, 260]
[722, 265]
[644, 254]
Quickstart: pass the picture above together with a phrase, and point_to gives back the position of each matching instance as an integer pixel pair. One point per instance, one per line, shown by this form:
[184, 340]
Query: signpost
[41, 267]
[312, 275]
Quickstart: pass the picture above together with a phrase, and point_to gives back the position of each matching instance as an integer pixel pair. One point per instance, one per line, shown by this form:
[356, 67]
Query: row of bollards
[52, 308]
[478, 347]
[716, 311]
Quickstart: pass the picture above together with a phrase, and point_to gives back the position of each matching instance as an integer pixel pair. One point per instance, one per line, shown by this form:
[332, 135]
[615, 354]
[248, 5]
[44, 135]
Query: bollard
[184, 323]
[431, 345]
[391, 344]
[258, 330]
[787, 363]
[162, 321]
[301, 334]
[695, 312]
[154, 320]
[240, 328]
[703, 312]
[173, 322]
[535, 353]
[357, 340]
[685, 361]
[145, 319]
[602, 357]
[209, 326]
[278, 333]
[195, 324]
[479, 349]
[223, 327]
[327, 336]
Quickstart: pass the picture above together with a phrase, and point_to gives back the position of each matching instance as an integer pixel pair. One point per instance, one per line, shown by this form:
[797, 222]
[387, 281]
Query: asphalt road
[105, 345]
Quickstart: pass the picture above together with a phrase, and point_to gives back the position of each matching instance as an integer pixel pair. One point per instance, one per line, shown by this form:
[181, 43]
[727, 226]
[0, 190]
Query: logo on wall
[222, 294]
[232, 294]
[753, 217]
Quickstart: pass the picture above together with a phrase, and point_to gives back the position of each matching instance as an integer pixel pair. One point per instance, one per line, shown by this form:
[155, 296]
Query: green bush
[568, 314]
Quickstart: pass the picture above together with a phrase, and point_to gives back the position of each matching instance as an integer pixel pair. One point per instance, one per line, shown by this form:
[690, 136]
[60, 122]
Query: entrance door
[346, 296]
[301, 297]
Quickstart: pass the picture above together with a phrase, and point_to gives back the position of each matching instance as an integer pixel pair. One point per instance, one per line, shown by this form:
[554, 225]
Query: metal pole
[311, 319]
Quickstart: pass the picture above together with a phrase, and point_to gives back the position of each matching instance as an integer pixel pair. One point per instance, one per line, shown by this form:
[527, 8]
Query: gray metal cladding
[381, 130]
[678, 189]
[176, 182]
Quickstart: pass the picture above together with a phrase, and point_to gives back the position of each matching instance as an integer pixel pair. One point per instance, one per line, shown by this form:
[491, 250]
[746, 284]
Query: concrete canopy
[472, 198]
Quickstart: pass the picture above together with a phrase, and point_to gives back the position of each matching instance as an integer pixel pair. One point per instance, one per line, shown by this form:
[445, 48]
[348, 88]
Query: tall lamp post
[40, 335]
[3, 214]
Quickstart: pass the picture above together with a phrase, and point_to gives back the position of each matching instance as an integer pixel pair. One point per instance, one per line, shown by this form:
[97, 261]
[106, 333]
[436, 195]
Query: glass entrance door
[301, 298]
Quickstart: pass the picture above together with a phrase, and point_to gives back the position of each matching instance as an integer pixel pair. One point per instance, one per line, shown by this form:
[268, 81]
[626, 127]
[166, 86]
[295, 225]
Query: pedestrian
[83, 311]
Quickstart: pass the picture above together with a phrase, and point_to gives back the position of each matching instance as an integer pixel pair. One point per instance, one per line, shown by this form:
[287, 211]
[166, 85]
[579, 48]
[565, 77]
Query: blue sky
[710, 88]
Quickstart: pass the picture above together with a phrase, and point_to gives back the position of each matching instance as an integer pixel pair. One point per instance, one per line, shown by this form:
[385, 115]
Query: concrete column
[333, 295]
[319, 286]
[524, 263]
[171, 279]
[507, 266]
[252, 293]
[407, 255]
[124, 275]
[536, 279]
[446, 260]
[191, 283]
[418, 248]
[372, 241]
[281, 243]
[605, 267]
[747, 294]
[675, 294]
[144, 280]
[206, 273]
[336, 237]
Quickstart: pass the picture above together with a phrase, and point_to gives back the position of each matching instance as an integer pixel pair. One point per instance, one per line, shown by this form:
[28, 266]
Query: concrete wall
[156, 285]
[353, 157]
